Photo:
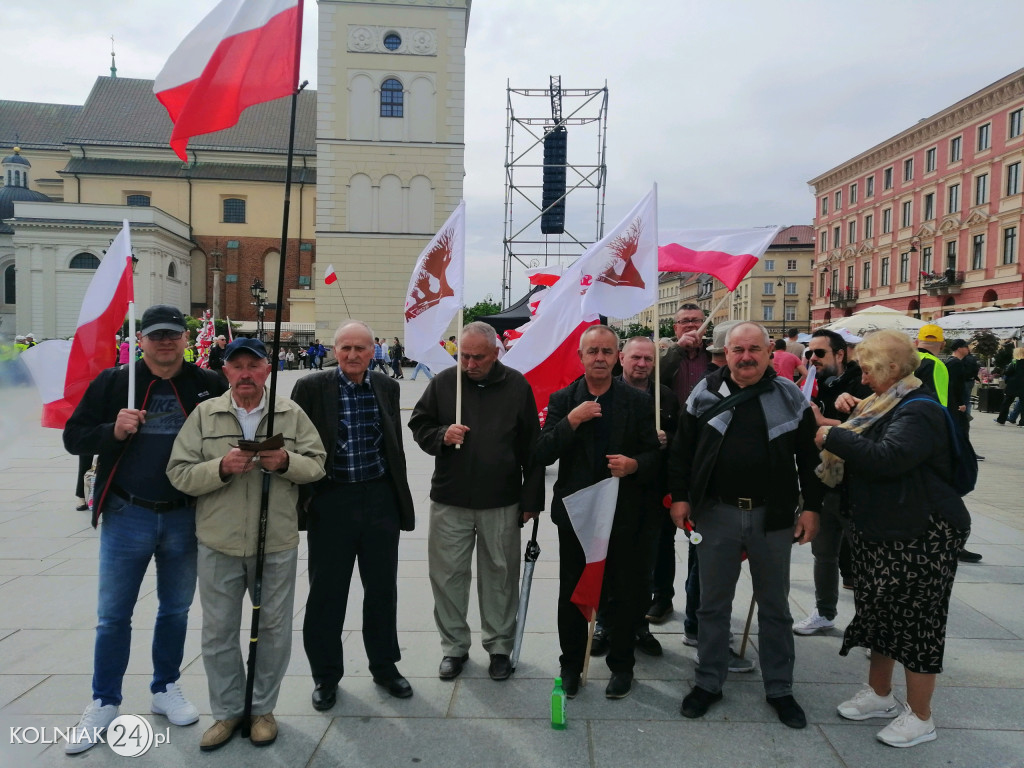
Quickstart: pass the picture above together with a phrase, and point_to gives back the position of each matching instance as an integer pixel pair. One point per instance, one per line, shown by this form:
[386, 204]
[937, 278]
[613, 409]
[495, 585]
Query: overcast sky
[730, 106]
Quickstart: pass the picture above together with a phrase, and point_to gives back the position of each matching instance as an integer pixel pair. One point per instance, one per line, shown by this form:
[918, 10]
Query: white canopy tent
[876, 318]
[1004, 323]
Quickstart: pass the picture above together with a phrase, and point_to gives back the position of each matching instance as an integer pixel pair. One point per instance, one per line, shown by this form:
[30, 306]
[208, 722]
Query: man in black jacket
[354, 514]
[144, 516]
[743, 457]
[599, 427]
[485, 487]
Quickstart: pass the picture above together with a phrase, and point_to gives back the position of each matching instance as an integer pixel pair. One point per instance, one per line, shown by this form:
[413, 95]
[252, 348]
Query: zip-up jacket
[90, 430]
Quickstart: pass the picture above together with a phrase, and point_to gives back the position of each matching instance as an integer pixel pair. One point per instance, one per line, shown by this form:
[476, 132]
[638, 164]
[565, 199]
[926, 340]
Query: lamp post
[828, 292]
[259, 295]
[920, 277]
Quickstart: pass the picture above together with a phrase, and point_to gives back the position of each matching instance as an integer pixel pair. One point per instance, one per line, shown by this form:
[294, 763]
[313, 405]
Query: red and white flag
[592, 511]
[78, 362]
[623, 266]
[330, 276]
[435, 292]
[728, 254]
[244, 52]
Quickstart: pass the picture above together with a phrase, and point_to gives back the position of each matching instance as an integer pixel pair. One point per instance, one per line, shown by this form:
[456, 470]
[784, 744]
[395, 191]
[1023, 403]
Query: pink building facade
[930, 221]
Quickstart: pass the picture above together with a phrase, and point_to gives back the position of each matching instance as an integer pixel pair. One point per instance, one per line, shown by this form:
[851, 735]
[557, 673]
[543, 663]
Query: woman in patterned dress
[908, 526]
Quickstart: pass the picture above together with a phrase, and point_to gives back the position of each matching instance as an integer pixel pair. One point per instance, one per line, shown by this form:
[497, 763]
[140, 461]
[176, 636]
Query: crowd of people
[859, 466]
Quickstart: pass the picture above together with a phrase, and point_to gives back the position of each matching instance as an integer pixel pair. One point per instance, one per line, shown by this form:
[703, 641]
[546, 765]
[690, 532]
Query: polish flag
[434, 296]
[728, 254]
[547, 276]
[616, 276]
[78, 362]
[330, 276]
[244, 52]
[592, 512]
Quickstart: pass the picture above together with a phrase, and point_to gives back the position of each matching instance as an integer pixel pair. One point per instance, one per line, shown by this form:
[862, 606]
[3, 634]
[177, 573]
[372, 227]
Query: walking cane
[529, 561]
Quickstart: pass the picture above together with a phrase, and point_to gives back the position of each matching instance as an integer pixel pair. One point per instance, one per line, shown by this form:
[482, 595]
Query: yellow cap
[930, 333]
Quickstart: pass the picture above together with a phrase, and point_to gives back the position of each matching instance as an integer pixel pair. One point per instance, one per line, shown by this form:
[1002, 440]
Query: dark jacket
[632, 434]
[494, 467]
[895, 471]
[792, 455]
[317, 395]
[829, 390]
[670, 364]
[90, 430]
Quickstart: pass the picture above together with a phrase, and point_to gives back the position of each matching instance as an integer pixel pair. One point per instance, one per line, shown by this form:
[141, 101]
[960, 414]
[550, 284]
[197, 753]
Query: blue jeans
[421, 367]
[129, 537]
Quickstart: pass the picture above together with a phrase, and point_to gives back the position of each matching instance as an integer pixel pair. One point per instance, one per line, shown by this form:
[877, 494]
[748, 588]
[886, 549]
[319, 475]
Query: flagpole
[458, 376]
[261, 541]
[131, 355]
[590, 641]
[347, 312]
[718, 306]
[657, 357]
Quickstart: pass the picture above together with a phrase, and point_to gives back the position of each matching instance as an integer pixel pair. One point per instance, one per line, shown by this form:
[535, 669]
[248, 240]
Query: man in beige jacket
[207, 463]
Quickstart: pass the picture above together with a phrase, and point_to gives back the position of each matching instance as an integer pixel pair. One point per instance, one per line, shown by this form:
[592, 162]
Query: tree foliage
[488, 306]
[985, 344]
[635, 329]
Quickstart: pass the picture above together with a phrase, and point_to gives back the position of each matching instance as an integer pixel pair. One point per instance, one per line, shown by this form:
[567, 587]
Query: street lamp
[920, 277]
[828, 292]
[259, 295]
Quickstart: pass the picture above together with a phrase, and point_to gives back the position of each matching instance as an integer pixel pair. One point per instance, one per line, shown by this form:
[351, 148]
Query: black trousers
[349, 524]
[624, 596]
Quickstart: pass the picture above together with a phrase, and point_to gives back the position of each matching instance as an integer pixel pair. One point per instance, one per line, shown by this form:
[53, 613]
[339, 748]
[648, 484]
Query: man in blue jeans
[144, 517]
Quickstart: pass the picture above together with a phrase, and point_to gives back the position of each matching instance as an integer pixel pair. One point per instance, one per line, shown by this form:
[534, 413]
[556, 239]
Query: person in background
[396, 351]
[786, 364]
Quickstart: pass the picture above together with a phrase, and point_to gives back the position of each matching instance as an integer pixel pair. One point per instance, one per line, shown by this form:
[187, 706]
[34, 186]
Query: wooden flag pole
[590, 641]
[458, 376]
[707, 320]
[131, 355]
[657, 378]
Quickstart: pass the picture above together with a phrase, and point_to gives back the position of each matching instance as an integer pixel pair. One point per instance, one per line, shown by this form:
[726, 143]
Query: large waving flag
[592, 512]
[728, 254]
[435, 293]
[244, 52]
[621, 273]
[78, 362]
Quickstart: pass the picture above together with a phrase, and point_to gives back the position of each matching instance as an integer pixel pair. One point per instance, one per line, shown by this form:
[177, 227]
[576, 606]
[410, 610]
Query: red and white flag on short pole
[592, 511]
[434, 296]
[78, 362]
[244, 52]
[330, 276]
[616, 276]
[728, 254]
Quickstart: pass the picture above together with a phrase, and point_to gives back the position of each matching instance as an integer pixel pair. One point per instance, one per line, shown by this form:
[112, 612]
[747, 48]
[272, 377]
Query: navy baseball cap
[162, 317]
[252, 346]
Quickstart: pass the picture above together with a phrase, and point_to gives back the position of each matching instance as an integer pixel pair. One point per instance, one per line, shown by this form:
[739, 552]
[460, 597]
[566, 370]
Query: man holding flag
[599, 427]
[144, 516]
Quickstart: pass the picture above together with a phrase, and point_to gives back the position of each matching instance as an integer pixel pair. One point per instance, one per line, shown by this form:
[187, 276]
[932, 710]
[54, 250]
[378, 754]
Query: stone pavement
[48, 567]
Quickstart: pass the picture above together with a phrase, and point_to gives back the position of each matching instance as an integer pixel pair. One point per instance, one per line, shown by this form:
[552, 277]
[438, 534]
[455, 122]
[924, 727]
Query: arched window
[234, 210]
[391, 98]
[172, 271]
[9, 285]
[84, 261]
[140, 200]
[17, 178]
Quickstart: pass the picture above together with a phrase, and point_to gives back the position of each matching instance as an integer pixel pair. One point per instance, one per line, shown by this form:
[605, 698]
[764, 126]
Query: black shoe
[968, 557]
[660, 610]
[397, 686]
[324, 696]
[790, 713]
[979, 458]
[570, 683]
[599, 645]
[648, 643]
[697, 702]
[501, 667]
[451, 666]
[620, 686]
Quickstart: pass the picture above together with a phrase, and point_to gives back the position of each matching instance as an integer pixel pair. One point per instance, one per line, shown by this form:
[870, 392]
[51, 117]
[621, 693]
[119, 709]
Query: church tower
[390, 148]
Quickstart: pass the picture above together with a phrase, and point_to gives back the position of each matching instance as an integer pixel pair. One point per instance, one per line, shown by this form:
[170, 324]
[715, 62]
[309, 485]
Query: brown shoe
[219, 734]
[263, 731]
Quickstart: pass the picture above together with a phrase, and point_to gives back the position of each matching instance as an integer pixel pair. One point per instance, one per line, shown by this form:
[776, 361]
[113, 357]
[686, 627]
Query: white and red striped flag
[435, 292]
[78, 362]
[244, 52]
[616, 276]
[592, 511]
[728, 254]
[330, 276]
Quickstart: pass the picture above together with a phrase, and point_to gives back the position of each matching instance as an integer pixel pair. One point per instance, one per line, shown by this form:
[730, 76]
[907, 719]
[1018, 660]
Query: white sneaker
[907, 730]
[690, 639]
[813, 623]
[91, 726]
[867, 704]
[173, 704]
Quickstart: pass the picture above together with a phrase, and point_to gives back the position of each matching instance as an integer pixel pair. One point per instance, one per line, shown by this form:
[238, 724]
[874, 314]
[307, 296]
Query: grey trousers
[223, 581]
[825, 549]
[727, 532]
[453, 533]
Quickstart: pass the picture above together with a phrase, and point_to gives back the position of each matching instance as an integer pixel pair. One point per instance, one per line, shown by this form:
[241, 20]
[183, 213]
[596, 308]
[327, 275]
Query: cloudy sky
[729, 105]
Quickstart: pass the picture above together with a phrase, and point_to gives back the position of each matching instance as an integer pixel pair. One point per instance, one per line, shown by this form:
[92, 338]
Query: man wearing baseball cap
[144, 517]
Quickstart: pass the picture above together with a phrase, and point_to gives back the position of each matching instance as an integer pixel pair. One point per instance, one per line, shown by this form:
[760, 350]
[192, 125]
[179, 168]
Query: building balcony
[846, 298]
[946, 283]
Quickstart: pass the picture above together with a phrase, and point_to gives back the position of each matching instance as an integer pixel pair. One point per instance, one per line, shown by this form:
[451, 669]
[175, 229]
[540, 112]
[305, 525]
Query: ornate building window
[84, 261]
[392, 41]
[392, 98]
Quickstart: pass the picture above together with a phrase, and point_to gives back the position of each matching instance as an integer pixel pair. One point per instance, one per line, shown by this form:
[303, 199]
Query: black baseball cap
[958, 344]
[252, 346]
[162, 317]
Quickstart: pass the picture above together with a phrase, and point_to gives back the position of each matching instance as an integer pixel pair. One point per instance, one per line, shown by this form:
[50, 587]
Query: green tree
[635, 329]
[482, 308]
[985, 344]
[666, 330]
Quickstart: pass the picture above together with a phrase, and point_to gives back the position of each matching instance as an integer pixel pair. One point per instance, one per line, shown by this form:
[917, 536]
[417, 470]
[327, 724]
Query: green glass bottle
[558, 706]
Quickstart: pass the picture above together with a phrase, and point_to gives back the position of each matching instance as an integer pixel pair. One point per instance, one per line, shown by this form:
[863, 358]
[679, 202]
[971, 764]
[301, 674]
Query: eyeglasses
[165, 335]
[690, 321]
[818, 353]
